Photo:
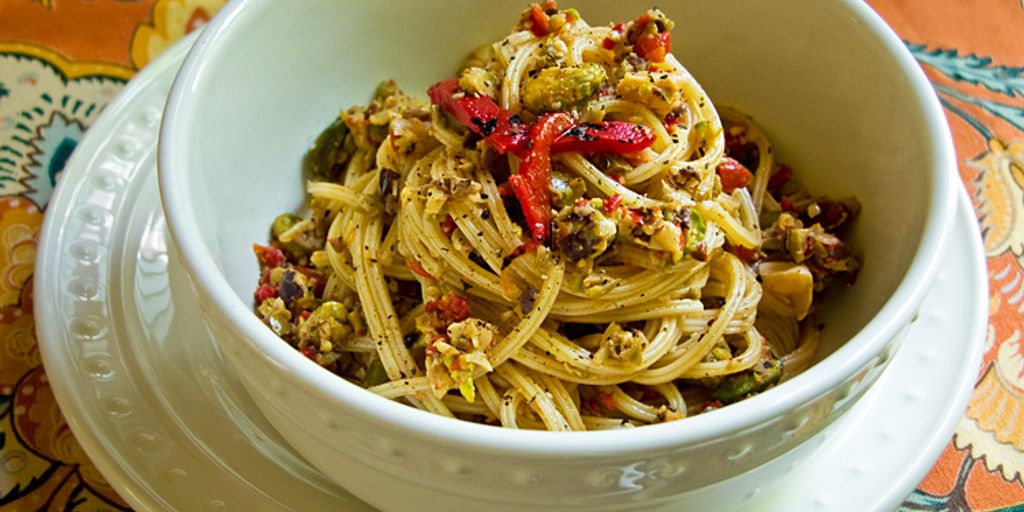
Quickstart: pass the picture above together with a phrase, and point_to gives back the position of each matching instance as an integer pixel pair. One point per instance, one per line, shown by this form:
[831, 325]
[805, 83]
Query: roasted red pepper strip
[606, 137]
[502, 130]
[507, 134]
[532, 184]
[733, 175]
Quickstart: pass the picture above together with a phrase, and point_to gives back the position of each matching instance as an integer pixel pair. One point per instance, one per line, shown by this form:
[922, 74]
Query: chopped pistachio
[558, 89]
[475, 80]
[740, 385]
[331, 149]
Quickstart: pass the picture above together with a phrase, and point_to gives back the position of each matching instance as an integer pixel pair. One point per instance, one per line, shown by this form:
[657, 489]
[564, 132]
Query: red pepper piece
[781, 176]
[449, 226]
[787, 204]
[649, 394]
[608, 401]
[671, 120]
[505, 190]
[528, 245]
[265, 292]
[734, 142]
[612, 203]
[269, 256]
[309, 352]
[641, 21]
[834, 215]
[450, 308]
[532, 184]
[458, 307]
[637, 215]
[502, 130]
[747, 255]
[711, 405]
[733, 175]
[432, 350]
[616, 36]
[538, 21]
[417, 268]
[606, 137]
[654, 47]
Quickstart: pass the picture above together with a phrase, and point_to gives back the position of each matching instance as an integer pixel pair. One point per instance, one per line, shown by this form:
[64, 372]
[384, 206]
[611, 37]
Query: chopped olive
[388, 189]
[582, 232]
[296, 290]
[410, 339]
[527, 300]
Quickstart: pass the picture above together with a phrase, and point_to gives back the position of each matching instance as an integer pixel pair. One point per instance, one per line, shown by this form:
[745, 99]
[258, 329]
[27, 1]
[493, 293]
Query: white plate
[151, 401]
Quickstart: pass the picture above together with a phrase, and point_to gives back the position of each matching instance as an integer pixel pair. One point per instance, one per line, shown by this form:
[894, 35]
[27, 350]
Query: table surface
[86, 50]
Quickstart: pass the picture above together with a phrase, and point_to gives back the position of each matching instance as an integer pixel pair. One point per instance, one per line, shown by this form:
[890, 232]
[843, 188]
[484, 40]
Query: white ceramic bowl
[842, 100]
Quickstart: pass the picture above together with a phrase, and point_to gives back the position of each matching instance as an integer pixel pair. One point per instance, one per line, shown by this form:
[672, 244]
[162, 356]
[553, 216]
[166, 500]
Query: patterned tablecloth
[61, 61]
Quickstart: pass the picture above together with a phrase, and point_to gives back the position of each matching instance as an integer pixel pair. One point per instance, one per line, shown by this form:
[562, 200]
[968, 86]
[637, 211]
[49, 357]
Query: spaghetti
[568, 237]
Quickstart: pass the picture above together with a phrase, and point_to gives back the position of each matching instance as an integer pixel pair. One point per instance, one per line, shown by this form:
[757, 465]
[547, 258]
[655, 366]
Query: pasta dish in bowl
[567, 230]
[561, 230]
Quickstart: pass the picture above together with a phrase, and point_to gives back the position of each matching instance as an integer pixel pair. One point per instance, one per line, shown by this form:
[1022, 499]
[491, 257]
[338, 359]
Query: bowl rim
[827, 374]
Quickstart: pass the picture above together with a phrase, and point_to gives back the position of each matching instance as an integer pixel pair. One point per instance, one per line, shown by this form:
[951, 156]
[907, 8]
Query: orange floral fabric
[61, 61]
[974, 56]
